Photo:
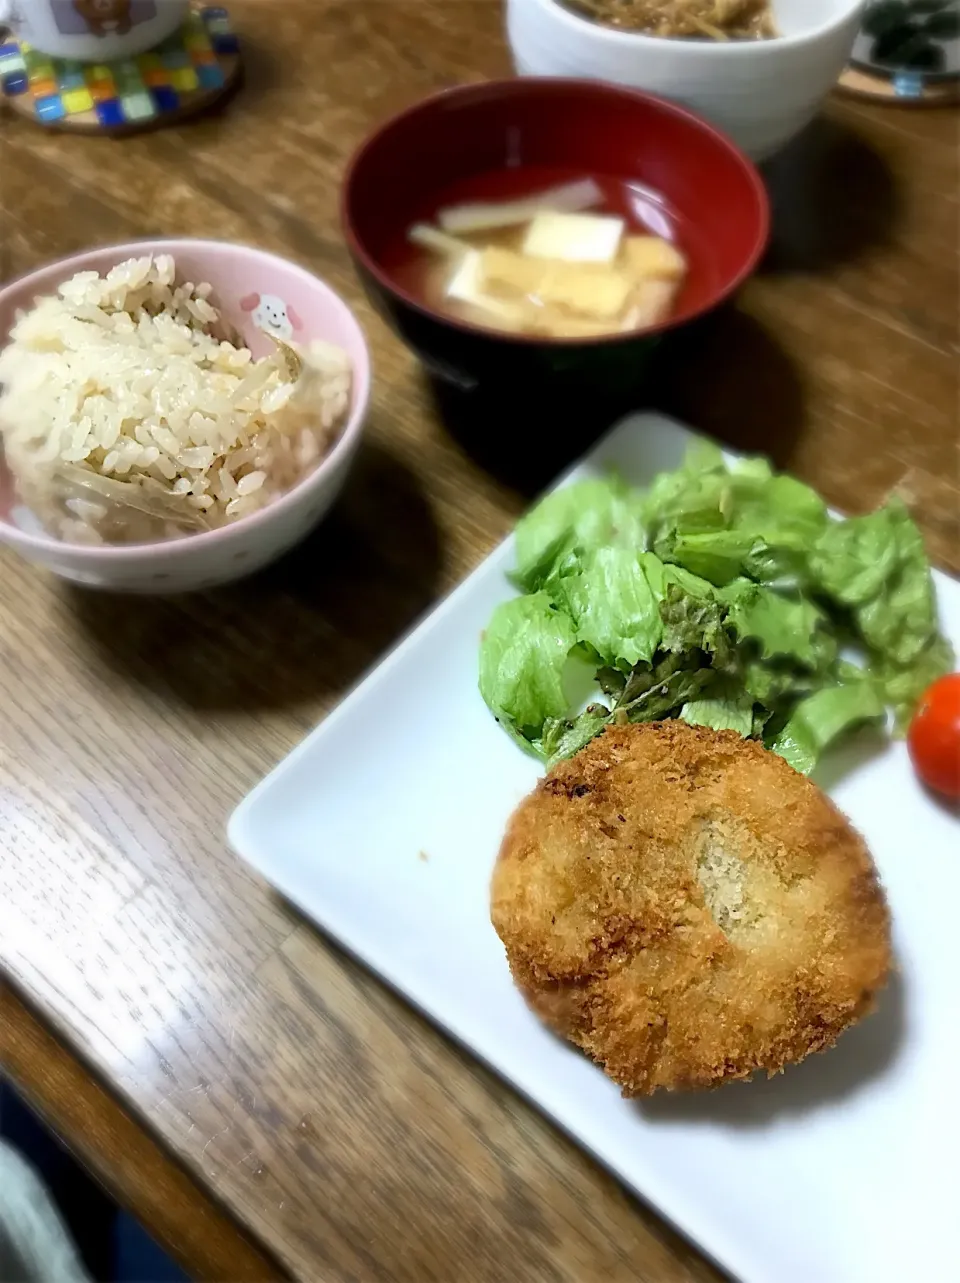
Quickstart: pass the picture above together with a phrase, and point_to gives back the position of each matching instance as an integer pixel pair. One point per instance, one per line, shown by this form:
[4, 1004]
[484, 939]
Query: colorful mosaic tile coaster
[186, 74]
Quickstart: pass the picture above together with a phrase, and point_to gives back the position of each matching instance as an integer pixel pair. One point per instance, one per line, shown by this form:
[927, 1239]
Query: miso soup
[554, 256]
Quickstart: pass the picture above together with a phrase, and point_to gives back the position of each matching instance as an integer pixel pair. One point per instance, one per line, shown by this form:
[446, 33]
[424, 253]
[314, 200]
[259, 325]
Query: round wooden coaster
[902, 90]
[187, 74]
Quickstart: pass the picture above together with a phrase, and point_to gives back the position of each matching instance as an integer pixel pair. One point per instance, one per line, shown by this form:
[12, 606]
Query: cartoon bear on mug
[105, 17]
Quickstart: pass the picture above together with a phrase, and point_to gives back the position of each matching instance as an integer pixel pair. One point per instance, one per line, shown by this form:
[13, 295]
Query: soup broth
[546, 254]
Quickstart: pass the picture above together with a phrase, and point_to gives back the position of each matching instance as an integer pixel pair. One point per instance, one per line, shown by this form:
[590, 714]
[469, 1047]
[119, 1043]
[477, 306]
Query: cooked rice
[127, 414]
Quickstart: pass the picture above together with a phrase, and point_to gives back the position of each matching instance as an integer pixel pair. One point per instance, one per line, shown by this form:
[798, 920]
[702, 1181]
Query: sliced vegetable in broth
[483, 216]
[557, 263]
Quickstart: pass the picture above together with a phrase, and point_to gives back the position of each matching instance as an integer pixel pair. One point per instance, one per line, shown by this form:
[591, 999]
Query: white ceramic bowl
[760, 92]
[256, 292]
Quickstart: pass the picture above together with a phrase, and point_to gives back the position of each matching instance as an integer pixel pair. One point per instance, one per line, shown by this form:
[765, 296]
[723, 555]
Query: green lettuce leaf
[563, 737]
[792, 519]
[763, 553]
[522, 660]
[790, 627]
[655, 572]
[661, 690]
[877, 566]
[744, 520]
[781, 503]
[853, 559]
[903, 686]
[660, 575]
[734, 713]
[687, 582]
[666, 698]
[693, 623]
[578, 519]
[820, 718]
[716, 555]
[723, 595]
[776, 682]
[614, 608]
[691, 494]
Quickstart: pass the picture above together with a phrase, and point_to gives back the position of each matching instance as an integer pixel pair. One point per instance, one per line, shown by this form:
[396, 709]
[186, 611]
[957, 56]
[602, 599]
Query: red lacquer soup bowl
[656, 163]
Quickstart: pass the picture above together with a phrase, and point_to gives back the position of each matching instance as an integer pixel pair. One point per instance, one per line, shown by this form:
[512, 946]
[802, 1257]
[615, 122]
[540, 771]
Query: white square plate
[383, 827]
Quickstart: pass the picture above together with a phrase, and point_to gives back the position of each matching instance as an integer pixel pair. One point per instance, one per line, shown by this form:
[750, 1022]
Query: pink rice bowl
[251, 288]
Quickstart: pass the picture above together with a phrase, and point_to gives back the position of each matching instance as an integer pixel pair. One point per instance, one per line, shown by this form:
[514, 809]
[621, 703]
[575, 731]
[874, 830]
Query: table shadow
[862, 1054]
[724, 375]
[262, 74]
[522, 437]
[308, 626]
[728, 377]
[833, 199]
[855, 750]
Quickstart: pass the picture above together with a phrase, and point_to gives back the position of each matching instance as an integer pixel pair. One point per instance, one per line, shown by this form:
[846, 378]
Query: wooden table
[230, 1075]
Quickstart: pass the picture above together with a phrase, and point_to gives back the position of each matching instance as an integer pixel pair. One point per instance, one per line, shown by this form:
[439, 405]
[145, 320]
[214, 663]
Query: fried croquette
[688, 909]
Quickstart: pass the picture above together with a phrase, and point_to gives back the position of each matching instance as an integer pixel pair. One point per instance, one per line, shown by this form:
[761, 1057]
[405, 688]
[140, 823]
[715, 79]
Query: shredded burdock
[683, 19]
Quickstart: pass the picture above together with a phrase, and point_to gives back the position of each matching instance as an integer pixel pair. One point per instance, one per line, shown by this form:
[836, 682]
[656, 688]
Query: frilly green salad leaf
[781, 626]
[820, 718]
[721, 713]
[876, 565]
[614, 609]
[902, 686]
[579, 519]
[724, 594]
[522, 661]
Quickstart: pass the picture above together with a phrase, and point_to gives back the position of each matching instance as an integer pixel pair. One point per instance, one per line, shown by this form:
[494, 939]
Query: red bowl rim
[344, 444]
[491, 88]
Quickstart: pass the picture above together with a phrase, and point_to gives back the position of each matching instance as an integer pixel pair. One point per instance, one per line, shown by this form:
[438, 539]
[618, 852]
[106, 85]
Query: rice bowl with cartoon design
[142, 408]
[272, 315]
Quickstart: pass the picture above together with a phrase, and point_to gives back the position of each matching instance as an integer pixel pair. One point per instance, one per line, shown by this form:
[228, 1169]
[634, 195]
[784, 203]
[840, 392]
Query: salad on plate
[725, 594]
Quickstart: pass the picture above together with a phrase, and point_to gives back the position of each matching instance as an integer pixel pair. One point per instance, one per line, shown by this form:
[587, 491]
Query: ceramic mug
[93, 30]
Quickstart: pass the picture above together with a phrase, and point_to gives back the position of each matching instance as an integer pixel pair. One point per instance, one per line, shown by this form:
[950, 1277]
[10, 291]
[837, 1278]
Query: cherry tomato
[934, 737]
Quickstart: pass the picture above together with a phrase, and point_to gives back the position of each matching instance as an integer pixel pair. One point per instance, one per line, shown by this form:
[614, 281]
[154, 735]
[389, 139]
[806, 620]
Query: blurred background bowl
[712, 192]
[760, 92]
[251, 288]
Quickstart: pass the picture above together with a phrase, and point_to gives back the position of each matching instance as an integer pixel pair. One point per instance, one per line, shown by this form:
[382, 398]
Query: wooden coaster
[188, 73]
[902, 90]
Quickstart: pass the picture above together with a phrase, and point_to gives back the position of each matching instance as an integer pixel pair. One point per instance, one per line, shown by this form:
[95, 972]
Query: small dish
[761, 92]
[264, 298]
[698, 181]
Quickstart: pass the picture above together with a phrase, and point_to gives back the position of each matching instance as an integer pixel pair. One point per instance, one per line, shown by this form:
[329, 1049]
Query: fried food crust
[688, 909]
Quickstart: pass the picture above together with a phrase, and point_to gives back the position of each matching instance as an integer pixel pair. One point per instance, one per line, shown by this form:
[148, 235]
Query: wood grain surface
[282, 1083]
[135, 1169]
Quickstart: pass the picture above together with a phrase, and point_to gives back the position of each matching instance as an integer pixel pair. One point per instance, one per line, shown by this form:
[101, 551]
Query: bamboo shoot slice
[483, 217]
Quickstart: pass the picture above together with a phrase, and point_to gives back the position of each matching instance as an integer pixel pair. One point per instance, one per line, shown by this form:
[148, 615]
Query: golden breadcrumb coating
[688, 909]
